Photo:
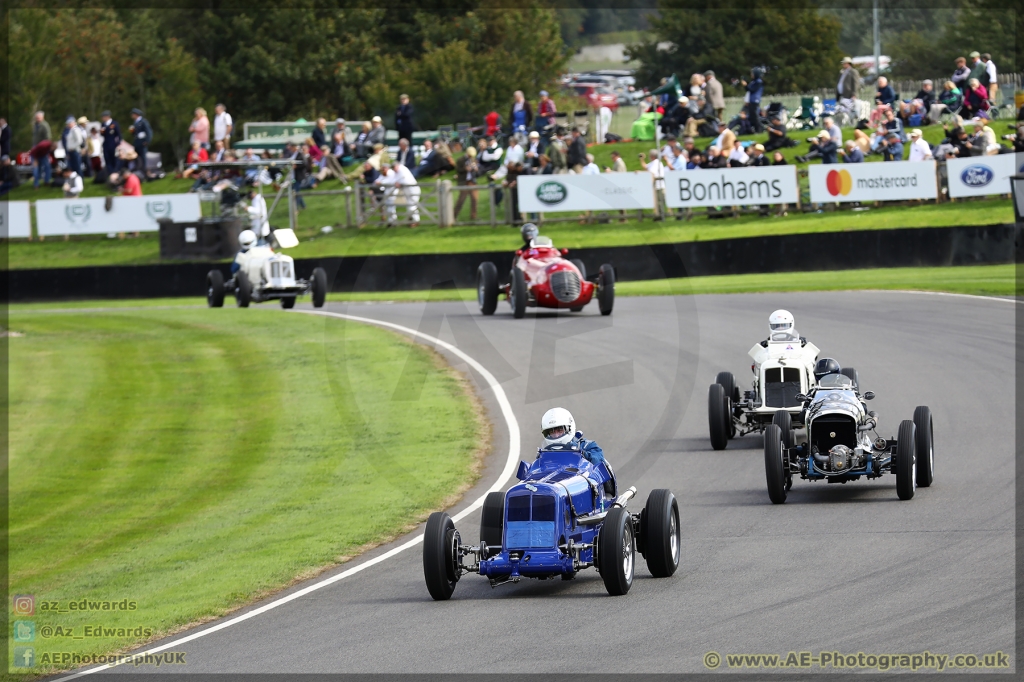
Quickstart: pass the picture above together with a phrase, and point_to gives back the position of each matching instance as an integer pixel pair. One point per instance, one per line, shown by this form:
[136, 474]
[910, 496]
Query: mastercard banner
[879, 181]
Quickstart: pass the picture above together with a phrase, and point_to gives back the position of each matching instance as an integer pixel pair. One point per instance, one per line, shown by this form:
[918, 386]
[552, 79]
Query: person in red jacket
[131, 187]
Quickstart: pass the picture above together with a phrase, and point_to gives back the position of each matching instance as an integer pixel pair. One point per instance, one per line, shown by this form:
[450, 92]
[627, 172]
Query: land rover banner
[977, 176]
[607, 191]
[876, 181]
[749, 186]
[14, 220]
[126, 214]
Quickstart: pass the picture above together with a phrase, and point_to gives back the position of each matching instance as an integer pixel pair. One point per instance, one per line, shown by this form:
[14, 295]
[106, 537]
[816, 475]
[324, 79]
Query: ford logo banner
[977, 176]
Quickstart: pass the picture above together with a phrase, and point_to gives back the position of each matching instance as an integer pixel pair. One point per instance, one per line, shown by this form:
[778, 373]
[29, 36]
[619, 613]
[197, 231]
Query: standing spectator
[73, 184]
[752, 98]
[111, 139]
[757, 156]
[5, 138]
[849, 85]
[591, 168]
[339, 139]
[713, 93]
[515, 152]
[42, 143]
[319, 134]
[403, 119]
[398, 178]
[378, 133]
[94, 151]
[8, 175]
[892, 147]
[492, 124]
[83, 129]
[576, 157]
[978, 69]
[73, 143]
[546, 111]
[522, 115]
[885, 94]
[223, 125]
[406, 156]
[618, 165]
[466, 172]
[533, 151]
[961, 73]
[558, 154]
[200, 128]
[991, 82]
[852, 153]
[919, 149]
[975, 99]
[218, 151]
[657, 171]
[143, 136]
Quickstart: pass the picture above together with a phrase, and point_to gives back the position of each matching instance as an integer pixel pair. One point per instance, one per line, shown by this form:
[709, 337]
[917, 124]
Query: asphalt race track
[845, 568]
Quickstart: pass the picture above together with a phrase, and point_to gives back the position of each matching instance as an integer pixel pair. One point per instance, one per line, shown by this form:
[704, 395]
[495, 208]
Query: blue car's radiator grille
[565, 285]
[530, 534]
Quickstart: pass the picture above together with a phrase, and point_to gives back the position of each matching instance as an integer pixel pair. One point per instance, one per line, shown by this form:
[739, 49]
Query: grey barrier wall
[905, 247]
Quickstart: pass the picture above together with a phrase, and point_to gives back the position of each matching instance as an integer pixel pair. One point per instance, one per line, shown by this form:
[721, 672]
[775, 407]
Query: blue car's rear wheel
[491, 521]
[440, 560]
[616, 552]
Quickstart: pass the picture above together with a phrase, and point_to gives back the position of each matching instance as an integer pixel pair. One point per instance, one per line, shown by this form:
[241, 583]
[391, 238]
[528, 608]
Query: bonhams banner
[877, 181]
[607, 191]
[978, 176]
[126, 214]
[14, 220]
[755, 185]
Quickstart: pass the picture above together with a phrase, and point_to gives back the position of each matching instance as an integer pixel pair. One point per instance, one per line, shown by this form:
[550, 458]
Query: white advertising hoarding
[978, 176]
[14, 220]
[731, 186]
[603, 192]
[878, 181]
[126, 214]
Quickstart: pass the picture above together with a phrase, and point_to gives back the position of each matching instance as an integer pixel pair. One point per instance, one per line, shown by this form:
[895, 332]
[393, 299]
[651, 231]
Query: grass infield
[194, 460]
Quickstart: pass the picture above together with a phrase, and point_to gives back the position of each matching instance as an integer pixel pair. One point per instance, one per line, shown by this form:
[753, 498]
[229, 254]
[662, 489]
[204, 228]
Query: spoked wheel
[517, 293]
[906, 460]
[487, 288]
[661, 533]
[719, 417]
[925, 446]
[440, 556]
[774, 467]
[215, 289]
[606, 289]
[616, 551]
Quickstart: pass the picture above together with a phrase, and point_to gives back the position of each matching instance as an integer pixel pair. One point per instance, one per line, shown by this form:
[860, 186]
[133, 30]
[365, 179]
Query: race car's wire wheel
[288, 302]
[318, 285]
[719, 419]
[491, 518]
[906, 460]
[774, 471]
[925, 446]
[243, 292]
[565, 285]
[784, 421]
[215, 289]
[487, 288]
[606, 289]
[517, 293]
[440, 546]
[617, 552]
[661, 534]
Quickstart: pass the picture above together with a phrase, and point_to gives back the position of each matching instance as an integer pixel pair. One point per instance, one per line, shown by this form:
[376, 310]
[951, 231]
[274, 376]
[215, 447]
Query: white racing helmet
[781, 321]
[246, 239]
[557, 426]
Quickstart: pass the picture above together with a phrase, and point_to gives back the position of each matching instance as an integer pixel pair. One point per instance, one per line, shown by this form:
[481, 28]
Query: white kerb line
[511, 462]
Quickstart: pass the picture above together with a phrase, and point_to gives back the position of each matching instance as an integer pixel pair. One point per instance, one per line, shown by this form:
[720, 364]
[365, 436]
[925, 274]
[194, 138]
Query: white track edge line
[1001, 299]
[511, 462]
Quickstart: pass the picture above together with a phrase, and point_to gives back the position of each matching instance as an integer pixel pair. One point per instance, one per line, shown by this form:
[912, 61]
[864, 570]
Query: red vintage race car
[542, 278]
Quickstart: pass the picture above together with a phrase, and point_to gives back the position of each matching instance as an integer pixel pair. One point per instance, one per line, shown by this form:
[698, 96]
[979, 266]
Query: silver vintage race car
[834, 442]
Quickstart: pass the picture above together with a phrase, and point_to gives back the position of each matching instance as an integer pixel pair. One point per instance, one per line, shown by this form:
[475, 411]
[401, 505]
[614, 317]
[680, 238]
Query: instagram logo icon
[24, 604]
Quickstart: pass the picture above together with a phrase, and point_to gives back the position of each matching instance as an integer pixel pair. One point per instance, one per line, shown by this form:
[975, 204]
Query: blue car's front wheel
[616, 551]
[440, 556]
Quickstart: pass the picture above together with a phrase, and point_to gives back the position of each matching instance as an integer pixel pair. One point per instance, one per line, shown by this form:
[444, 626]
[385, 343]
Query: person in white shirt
[94, 148]
[73, 184]
[490, 158]
[993, 82]
[657, 170]
[401, 179]
[834, 131]
[515, 152]
[738, 155]
[257, 210]
[919, 149]
[591, 168]
[223, 126]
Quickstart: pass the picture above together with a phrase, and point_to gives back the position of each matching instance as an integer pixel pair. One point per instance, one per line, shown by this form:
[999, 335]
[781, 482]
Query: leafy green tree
[797, 44]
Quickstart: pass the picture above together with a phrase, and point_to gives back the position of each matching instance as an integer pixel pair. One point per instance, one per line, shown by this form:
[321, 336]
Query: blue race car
[564, 516]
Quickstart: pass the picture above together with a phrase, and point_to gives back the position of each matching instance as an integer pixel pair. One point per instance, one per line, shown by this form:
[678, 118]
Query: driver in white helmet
[246, 240]
[782, 326]
[559, 428]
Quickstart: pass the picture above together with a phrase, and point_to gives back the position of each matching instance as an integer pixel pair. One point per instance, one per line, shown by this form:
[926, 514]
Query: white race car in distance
[265, 275]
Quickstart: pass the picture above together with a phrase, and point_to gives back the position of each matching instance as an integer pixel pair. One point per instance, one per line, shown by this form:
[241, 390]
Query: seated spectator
[921, 104]
[960, 144]
[757, 156]
[696, 161]
[961, 74]
[885, 95]
[983, 141]
[129, 183]
[591, 168]
[950, 99]
[975, 99]
[878, 139]
[703, 121]
[741, 124]
[829, 124]
[863, 142]
[544, 166]
[315, 153]
[919, 149]
[533, 151]
[892, 147]
[340, 147]
[490, 158]
[73, 184]
[715, 158]
[195, 156]
[726, 139]
[378, 133]
[778, 136]
[878, 114]
[822, 146]
[893, 124]
[852, 153]
[363, 145]
[8, 175]
[779, 160]
[218, 151]
[436, 162]
[738, 156]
